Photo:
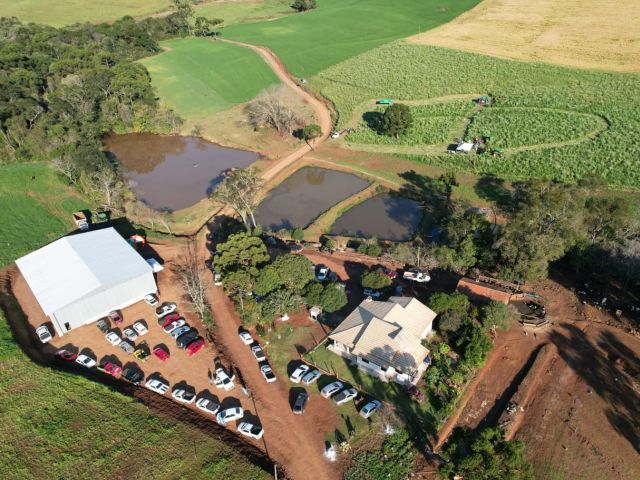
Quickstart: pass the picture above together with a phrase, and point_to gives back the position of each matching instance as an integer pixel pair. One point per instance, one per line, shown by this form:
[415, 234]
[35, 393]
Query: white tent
[81, 278]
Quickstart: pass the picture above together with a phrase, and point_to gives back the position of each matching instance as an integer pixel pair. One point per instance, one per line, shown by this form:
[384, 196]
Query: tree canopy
[375, 280]
[294, 271]
[241, 252]
[303, 5]
[396, 120]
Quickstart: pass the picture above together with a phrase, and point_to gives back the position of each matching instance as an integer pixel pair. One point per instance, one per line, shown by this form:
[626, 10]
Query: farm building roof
[483, 291]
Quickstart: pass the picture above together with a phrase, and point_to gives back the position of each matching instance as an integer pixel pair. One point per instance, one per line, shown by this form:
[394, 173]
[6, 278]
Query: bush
[333, 298]
[297, 234]
[396, 120]
[456, 301]
[373, 250]
[496, 313]
[450, 321]
[303, 5]
[375, 280]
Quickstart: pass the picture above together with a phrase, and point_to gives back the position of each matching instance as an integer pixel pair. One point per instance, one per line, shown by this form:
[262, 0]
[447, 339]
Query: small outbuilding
[80, 278]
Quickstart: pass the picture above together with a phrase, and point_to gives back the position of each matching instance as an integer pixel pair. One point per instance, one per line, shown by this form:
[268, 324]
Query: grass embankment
[198, 77]
[60, 425]
[523, 90]
[338, 29]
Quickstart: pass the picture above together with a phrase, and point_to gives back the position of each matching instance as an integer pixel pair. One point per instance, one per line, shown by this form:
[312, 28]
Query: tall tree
[239, 190]
[396, 120]
[241, 252]
[294, 271]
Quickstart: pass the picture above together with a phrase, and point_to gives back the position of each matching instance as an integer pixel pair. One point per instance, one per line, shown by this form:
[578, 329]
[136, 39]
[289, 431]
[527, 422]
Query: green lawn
[65, 12]
[235, 11]
[309, 42]
[36, 208]
[60, 425]
[198, 77]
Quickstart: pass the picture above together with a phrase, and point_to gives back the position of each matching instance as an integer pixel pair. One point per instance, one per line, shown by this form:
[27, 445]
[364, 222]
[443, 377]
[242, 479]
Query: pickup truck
[416, 275]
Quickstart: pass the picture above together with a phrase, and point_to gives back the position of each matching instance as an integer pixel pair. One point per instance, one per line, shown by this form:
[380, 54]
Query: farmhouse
[384, 338]
[81, 278]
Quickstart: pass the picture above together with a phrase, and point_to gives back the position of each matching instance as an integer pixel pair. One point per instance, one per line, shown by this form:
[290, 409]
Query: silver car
[179, 331]
[229, 415]
[126, 347]
[330, 389]
[208, 406]
[345, 396]
[311, 377]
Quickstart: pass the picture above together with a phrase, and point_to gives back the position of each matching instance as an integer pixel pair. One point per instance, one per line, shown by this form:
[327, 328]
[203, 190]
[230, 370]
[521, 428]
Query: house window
[364, 360]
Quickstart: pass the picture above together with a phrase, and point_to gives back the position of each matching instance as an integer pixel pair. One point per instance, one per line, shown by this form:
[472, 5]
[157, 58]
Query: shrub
[333, 298]
[396, 120]
[375, 280]
[297, 234]
[456, 301]
[303, 5]
[496, 313]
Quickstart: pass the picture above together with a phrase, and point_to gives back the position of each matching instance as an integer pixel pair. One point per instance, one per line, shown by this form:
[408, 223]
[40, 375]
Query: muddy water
[388, 217]
[173, 172]
[298, 200]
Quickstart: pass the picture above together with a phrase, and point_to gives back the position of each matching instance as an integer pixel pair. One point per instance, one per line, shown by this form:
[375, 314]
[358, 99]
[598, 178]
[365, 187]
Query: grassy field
[598, 34]
[66, 12]
[61, 425]
[198, 77]
[241, 11]
[413, 72]
[36, 209]
[338, 29]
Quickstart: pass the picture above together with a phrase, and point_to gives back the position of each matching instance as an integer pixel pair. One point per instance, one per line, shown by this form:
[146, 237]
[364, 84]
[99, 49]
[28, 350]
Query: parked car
[245, 337]
[195, 346]
[113, 338]
[130, 333]
[151, 299]
[301, 401]
[250, 430]
[183, 395]
[110, 368]
[370, 408]
[186, 338]
[258, 353]
[392, 274]
[64, 354]
[157, 385]
[44, 334]
[369, 292]
[415, 275]
[126, 347]
[165, 309]
[208, 406]
[133, 375]
[345, 396]
[229, 415]
[140, 328]
[294, 248]
[161, 353]
[86, 361]
[311, 377]
[176, 332]
[223, 380]
[330, 389]
[298, 373]
[267, 373]
[103, 325]
[141, 354]
[330, 452]
[322, 272]
[335, 135]
[115, 317]
[167, 319]
[173, 326]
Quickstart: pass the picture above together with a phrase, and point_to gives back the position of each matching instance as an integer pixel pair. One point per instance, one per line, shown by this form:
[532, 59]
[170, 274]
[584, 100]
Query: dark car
[135, 376]
[301, 401]
[103, 325]
[186, 338]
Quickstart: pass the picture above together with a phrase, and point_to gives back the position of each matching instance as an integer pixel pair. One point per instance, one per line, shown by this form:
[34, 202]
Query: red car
[115, 317]
[172, 317]
[161, 353]
[66, 355]
[392, 274]
[110, 368]
[195, 346]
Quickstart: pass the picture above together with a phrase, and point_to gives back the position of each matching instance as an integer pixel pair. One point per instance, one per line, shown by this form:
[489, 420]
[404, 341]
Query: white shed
[81, 278]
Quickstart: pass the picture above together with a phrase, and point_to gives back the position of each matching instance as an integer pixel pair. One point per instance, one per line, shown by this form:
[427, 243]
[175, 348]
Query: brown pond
[173, 172]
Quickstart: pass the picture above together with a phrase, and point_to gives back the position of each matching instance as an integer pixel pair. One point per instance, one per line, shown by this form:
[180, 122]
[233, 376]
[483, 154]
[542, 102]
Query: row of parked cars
[258, 353]
[176, 326]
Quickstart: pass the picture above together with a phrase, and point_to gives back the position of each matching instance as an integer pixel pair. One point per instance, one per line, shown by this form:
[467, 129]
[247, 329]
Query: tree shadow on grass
[374, 121]
[494, 190]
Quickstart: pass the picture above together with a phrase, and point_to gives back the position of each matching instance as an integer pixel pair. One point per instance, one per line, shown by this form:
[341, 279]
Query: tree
[303, 5]
[457, 302]
[374, 280]
[311, 132]
[313, 293]
[450, 321]
[238, 285]
[267, 281]
[294, 271]
[396, 120]
[415, 254]
[241, 252]
[239, 190]
[195, 280]
[496, 314]
[106, 183]
[273, 108]
[184, 11]
[475, 344]
[203, 26]
[333, 298]
[297, 234]
[280, 302]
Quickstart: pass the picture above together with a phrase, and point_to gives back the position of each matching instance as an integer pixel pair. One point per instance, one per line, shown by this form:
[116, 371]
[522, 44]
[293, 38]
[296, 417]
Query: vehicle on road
[110, 368]
[176, 332]
[66, 355]
[392, 274]
[370, 408]
[311, 377]
[186, 338]
[151, 300]
[250, 430]
[133, 375]
[258, 353]
[174, 325]
[229, 415]
[113, 338]
[369, 292]
[301, 401]
[345, 396]
[415, 275]
[140, 328]
[161, 353]
[165, 309]
[86, 361]
[322, 272]
[298, 373]
[126, 347]
[267, 373]
[182, 395]
[141, 354]
[157, 385]
[103, 325]
[223, 380]
[207, 405]
[44, 334]
[115, 317]
[330, 389]
[195, 346]
[130, 333]
[245, 337]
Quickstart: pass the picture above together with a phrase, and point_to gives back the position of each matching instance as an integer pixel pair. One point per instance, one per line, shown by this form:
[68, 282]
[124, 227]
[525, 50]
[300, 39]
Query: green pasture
[310, 42]
[245, 11]
[197, 77]
[65, 12]
[560, 123]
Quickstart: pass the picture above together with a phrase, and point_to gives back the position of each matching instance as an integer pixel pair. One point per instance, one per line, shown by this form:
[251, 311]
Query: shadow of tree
[494, 189]
[373, 121]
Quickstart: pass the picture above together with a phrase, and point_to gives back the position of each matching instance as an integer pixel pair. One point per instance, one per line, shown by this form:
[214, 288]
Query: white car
[86, 361]
[157, 386]
[267, 373]
[250, 430]
[223, 380]
[183, 396]
[345, 396]
[258, 353]
[311, 377]
[151, 299]
[335, 135]
[130, 333]
[166, 309]
[330, 452]
[140, 328]
[330, 389]
[229, 415]
[245, 337]
[322, 273]
[113, 338]
[298, 373]
[208, 406]
[369, 409]
[44, 334]
[175, 324]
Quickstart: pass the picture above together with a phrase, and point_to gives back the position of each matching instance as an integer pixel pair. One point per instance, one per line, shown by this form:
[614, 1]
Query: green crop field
[65, 12]
[544, 109]
[338, 29]
[60, 425]
[198, 77]
[36, 209]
